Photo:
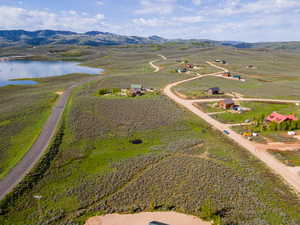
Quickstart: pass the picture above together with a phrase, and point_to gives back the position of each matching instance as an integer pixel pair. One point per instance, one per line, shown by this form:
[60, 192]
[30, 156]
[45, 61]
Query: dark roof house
[213, 91]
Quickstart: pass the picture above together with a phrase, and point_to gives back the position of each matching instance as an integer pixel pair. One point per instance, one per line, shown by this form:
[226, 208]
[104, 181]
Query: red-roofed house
[278, 118]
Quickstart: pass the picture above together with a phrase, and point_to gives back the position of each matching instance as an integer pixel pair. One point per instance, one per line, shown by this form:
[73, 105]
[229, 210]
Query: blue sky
[243, 20]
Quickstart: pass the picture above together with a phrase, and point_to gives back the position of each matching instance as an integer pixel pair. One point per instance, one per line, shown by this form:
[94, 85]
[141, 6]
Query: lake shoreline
[17, 71]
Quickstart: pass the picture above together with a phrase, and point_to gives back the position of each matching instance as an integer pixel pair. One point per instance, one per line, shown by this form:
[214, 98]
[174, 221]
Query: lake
[17, 69]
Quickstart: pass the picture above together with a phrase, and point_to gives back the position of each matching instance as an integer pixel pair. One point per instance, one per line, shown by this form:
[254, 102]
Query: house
[226, 103]
[237, 77]
[279, 118]
[227, 74]
[213, 91]
[136, 89]
[218, 60]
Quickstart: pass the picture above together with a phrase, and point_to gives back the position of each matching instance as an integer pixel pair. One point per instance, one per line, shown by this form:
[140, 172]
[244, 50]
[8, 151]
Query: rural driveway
[16, 174]
[288, 175]
[156, 68]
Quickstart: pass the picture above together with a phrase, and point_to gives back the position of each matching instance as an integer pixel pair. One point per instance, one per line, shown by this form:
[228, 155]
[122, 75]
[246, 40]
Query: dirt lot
[170, 218]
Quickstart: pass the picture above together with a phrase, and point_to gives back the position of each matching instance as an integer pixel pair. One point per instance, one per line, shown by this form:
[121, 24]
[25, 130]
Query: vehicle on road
[226, 132]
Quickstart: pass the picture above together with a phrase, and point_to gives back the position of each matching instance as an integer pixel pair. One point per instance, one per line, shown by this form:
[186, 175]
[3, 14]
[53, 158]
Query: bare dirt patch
[59, 92]
[171, 218]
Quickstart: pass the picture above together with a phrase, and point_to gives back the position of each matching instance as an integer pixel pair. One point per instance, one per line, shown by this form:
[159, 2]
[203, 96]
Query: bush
[103, 91]
[116, 90]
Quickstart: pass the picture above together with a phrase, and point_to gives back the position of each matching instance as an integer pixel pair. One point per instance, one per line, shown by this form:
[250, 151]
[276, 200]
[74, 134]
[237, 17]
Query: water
[17, 69]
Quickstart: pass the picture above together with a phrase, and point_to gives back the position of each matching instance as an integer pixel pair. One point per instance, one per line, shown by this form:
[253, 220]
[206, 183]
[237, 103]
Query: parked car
[226, 132]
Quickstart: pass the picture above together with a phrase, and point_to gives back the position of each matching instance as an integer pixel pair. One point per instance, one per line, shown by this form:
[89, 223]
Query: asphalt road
[11, 180]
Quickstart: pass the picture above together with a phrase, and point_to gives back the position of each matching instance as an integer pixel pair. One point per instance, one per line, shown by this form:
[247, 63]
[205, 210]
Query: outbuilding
[237, 77]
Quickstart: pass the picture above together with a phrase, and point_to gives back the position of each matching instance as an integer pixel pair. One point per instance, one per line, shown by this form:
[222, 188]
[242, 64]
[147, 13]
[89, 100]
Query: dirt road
[289, 176]
[8, 183]
[156, 68]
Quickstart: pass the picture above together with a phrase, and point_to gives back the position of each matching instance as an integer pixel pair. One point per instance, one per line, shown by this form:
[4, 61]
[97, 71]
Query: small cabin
[227, 74]
[226, 103]
[213, 91]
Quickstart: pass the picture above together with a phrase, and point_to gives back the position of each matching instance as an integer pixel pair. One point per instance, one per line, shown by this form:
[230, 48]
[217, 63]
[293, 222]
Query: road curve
[289, 176]
[16, 174]
[156, 68]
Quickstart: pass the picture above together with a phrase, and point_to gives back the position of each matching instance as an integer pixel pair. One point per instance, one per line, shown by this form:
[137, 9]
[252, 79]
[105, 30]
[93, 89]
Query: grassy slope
[23, 112]
[98, 171]
[275, 76]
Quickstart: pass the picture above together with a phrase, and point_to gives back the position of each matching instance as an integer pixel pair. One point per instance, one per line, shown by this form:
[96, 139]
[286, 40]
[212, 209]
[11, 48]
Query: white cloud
[172, 21]
[197, 2]
[19, 18]
[99, 3]
[162, 7]
[232, 7]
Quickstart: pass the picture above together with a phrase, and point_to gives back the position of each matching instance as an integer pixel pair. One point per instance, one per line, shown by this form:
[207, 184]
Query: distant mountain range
[96, 38]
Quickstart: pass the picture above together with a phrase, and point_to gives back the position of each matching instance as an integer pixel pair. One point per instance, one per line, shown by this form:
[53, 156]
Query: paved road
[39, 147]
[289, 176]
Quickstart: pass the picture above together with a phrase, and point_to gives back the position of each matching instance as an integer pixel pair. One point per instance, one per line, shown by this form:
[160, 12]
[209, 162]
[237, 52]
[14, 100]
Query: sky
[238, 20]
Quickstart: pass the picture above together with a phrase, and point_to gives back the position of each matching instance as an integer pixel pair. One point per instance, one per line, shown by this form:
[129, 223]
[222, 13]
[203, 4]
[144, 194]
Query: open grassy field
[276, 73]
[258, 109]
[180, 164]
[23, 112]
[290, 158]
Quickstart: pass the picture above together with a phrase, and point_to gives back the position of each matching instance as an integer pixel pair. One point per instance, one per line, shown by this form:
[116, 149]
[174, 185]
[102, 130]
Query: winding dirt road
[16, 174]
[157, 68]
[291, 177]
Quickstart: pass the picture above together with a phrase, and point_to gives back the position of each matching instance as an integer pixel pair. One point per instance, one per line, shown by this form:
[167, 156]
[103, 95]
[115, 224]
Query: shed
[157, 223]
[226, 103]
[213, 91]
